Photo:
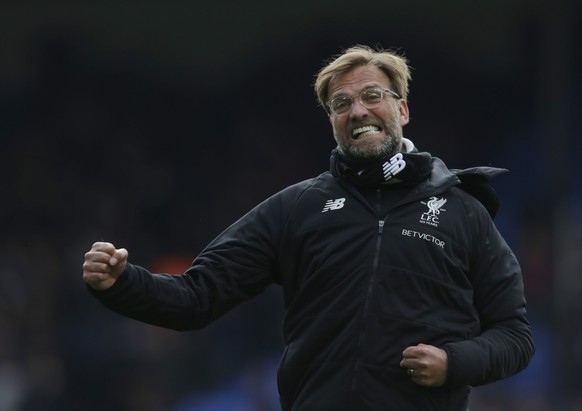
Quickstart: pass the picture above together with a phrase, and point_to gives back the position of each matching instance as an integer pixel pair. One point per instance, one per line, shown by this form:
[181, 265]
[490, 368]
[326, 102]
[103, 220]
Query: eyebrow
[361, 90]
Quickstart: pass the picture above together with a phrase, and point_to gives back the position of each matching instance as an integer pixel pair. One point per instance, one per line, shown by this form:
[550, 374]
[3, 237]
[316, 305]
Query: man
[399, 291]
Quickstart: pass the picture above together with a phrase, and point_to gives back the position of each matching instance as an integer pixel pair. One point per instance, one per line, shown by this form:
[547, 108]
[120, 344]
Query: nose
[358, 110]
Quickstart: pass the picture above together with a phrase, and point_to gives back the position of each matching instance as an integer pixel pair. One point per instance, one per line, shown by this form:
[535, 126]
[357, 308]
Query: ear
[404, 115]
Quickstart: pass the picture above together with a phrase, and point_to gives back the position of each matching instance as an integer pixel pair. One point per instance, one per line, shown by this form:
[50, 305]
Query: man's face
[362, 132]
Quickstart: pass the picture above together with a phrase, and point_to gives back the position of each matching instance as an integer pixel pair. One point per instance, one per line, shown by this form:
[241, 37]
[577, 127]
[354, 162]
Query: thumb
[118, 257]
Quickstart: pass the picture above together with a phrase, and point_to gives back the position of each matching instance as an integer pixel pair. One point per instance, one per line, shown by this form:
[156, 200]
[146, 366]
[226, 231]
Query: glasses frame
[382, 91]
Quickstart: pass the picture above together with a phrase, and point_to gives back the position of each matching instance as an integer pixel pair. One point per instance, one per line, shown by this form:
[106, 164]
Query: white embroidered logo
[333, 204]
[394, 166]
[434, 209]
[423, 236]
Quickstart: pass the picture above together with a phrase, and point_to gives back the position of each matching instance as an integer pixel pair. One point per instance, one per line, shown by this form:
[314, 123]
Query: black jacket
[363, 278]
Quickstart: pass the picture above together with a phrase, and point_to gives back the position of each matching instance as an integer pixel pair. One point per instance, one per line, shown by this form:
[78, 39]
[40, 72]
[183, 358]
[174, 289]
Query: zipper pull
[380, 226]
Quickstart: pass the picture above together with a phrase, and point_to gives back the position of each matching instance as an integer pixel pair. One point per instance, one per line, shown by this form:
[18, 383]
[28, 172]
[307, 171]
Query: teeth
[361, 130]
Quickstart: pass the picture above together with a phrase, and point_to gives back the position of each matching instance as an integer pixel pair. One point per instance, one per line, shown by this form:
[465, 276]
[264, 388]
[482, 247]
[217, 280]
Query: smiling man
[399, 291]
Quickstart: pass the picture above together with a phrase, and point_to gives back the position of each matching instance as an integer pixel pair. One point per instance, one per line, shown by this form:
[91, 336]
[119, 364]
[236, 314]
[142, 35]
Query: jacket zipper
[374, 267]
[367, 301]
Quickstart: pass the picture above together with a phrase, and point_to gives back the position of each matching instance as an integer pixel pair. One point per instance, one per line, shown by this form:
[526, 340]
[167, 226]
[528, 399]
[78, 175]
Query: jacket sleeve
[504, 345]
[235, 266]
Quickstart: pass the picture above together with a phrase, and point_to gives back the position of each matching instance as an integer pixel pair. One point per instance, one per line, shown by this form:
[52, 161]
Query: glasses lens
[371, 98]
[340, 104]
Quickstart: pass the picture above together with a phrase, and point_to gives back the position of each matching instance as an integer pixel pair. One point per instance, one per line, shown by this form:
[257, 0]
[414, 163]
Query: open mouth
[365, 131]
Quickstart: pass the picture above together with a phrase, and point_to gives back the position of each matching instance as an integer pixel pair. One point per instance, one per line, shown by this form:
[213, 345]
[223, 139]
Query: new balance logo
[394, 166]
[333, 204]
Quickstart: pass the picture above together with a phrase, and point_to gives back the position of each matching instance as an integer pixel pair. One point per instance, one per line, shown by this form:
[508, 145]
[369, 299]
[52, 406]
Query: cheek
[335, 134]
[338, 125]
[391, 116]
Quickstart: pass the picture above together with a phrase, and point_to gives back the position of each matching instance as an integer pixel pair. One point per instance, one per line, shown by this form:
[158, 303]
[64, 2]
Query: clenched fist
[425, 364]
[103, 265]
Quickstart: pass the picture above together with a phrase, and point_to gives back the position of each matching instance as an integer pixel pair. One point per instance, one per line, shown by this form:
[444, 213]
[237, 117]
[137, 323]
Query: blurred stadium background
[154, 125]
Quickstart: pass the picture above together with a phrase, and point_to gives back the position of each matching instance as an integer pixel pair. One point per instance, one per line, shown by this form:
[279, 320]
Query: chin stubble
[391, 145]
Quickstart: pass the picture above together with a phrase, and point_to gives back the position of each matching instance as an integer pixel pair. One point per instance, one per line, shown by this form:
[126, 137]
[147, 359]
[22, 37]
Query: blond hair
[394, 65]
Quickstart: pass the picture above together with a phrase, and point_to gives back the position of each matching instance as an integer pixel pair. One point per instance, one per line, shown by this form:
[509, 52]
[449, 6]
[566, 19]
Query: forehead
[358, 78]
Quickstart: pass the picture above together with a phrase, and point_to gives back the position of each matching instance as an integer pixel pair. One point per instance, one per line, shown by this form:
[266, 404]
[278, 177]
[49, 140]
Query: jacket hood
[477, 182]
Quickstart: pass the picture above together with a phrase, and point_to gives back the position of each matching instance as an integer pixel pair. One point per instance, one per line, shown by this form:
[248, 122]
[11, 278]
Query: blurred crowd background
[154, 125]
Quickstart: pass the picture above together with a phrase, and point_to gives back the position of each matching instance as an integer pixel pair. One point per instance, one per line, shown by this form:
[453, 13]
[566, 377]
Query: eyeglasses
[369, 98]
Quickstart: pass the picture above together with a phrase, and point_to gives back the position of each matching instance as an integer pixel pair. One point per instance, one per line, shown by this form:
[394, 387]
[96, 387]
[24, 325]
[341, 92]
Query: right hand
[103, 265]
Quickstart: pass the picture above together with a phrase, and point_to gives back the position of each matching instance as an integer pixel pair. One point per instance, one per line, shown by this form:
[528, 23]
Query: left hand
[428, 362]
